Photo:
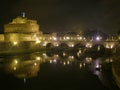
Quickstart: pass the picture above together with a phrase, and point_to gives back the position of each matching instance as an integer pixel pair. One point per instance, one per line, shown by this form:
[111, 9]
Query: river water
[43, 71]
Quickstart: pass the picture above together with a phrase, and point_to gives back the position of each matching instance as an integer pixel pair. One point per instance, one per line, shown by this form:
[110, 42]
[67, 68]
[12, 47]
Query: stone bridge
[73, 42]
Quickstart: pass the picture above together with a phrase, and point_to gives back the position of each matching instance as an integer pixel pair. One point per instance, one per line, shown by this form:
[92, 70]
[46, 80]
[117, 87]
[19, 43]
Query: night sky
[65, 15]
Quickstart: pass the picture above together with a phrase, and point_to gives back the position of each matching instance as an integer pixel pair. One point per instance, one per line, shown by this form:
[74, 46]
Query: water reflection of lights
[14, 68]
[64, 63]
[32, 66]
[38, 58]
[71, 57]
[64, 54]
[81, 65]
[15, 61]
[79, 52]
[35, 64]
[14, 64]
[88, 60]
[108, 60]
[22, 68]
[60, 61]
[88, 45]
[97, 67]
[44, 54]
[84, 64]
[56, 56]
[111, 60]
[55, 61]
[98, 48]
[50, 61]
[24, 80]
[68, 62]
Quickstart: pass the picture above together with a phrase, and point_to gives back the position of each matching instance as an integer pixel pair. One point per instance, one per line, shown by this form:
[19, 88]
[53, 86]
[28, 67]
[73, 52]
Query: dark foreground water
[38, 71]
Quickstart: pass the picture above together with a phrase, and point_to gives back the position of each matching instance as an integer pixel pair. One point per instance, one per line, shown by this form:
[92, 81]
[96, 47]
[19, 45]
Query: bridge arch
[99, 47]
[49, 45]
[117, 49]
[63, 46]
[79, 45]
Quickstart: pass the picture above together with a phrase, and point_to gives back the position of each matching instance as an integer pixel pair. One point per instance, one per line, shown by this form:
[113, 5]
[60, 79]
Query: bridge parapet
[72, 41]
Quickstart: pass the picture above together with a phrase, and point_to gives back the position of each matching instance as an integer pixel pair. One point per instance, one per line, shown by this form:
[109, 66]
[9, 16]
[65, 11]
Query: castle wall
[21, 25]
[1, 37]
[11, 37]
[21, 28]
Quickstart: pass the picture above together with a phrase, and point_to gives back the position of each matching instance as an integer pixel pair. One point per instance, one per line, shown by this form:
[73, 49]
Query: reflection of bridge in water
[27, 66]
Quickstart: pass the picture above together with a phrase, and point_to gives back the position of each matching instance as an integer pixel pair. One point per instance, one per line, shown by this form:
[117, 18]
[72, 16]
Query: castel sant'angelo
[21, 33]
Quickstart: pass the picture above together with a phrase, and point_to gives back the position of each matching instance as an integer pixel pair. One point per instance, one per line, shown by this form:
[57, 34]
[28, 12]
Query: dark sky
[65, 15]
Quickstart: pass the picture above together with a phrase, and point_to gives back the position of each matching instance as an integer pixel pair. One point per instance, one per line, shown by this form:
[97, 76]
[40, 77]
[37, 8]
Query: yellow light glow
[64, 54]
[79, 52]
[35, 64]
[88, 45]
[109, 46]
[84, 64]
[50, 61]
[16, 61]
[67, 37]
[14, 68]
[72, 45]
[71, 57]
[45, 43]
[38, 41]
[64, 63]
[68, 62]
[80, 65]
[111, 60]
[54, 38]
[98, 48]
[112, 46]
[38, 58]
[15, 43]
[79, 38]
[35, 35]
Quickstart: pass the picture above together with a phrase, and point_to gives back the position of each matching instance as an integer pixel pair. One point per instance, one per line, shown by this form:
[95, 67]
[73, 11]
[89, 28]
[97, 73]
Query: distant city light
[54, 38]
[67, 37]
[97, 38]
[23, 14]
[38, 41]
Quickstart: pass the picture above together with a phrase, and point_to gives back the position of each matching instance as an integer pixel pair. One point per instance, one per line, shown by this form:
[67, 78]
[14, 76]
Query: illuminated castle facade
[19, 35]
[21, 29]
[22, 33]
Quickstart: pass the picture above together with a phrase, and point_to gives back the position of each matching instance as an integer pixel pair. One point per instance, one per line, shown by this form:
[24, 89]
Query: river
[44, 71]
